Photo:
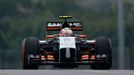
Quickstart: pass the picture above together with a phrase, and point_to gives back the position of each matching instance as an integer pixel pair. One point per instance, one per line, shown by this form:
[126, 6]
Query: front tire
[30, 45]
[103, 46]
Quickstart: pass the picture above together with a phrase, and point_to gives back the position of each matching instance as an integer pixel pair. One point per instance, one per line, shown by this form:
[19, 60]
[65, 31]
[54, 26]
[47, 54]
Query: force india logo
[74, 24]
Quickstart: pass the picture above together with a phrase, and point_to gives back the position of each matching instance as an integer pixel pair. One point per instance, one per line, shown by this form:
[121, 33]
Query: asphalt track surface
[66, 72]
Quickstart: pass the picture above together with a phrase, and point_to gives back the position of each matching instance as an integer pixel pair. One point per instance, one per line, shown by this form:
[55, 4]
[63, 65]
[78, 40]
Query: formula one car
[66, 49]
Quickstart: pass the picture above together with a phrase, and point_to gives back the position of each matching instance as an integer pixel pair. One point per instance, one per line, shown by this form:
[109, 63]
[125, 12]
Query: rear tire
[103, 46]
[30, 45]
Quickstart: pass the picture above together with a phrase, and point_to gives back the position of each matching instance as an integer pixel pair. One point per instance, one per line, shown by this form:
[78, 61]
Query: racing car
[66, 49]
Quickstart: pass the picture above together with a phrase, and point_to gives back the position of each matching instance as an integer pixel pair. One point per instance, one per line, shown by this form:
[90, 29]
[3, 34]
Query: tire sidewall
[30, 45]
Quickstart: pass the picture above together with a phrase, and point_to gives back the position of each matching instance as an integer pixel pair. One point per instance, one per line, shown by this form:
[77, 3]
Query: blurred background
[23, 18]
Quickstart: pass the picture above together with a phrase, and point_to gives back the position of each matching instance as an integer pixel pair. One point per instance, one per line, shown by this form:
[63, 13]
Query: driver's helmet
[66, 32]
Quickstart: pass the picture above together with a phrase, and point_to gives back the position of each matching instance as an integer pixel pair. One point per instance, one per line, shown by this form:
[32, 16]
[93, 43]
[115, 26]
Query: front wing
[37, 59]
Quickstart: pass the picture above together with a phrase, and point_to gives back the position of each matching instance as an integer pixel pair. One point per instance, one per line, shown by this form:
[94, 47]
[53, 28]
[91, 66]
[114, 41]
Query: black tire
[103, 46]
[30, 45]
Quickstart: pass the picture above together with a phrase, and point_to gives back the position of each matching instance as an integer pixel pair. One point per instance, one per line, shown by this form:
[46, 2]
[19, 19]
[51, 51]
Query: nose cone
[67, 55]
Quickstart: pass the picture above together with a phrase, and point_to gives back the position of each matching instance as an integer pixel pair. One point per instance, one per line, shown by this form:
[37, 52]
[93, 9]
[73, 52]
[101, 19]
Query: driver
[66, 32]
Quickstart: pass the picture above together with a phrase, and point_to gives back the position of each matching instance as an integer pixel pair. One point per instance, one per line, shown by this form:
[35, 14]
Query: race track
[66, 72]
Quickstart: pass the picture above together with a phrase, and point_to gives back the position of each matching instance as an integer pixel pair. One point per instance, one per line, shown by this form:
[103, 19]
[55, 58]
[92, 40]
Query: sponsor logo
[72, 24]
[75, 24]
[54, 24]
